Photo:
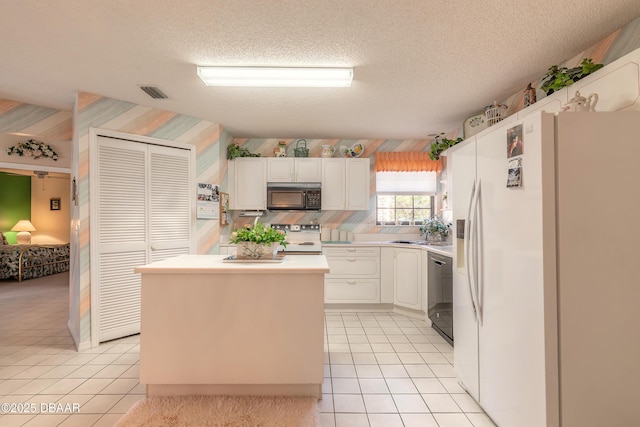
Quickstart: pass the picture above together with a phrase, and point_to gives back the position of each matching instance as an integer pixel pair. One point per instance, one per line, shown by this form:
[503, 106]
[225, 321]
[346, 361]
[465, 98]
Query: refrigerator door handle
[475, 250]
[467, 244]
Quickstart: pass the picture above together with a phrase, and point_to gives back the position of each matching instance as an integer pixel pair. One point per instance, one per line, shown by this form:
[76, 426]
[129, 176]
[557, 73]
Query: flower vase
[253, 250]
[435, 238]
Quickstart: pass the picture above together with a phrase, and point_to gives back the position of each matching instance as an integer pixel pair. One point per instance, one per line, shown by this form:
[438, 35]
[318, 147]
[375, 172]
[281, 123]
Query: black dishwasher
[440, 296]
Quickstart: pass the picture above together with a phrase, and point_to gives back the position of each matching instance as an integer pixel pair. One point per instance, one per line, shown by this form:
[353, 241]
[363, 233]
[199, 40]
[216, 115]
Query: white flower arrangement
[435, 226]
[33, 148]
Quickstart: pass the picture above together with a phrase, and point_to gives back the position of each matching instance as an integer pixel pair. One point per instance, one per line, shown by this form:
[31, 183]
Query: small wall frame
[54, 204]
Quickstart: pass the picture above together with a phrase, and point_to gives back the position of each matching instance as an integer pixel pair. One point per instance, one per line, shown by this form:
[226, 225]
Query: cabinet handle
[351, 250]
[351, 259]
[351, 282]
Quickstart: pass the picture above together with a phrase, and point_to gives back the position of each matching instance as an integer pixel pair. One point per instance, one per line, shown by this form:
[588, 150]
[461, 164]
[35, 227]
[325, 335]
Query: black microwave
[294, 196]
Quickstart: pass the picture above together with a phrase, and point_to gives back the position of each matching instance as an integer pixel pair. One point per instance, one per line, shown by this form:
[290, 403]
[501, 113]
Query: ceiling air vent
[154, 92]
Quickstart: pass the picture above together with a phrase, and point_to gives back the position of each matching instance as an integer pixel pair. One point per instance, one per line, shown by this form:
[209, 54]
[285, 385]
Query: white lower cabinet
[402, 273]
[425, 285]
[354, 275]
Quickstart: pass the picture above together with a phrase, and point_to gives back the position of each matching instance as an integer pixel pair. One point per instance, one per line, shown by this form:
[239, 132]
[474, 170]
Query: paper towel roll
[325, 234]
[343, 235]
[335, 235]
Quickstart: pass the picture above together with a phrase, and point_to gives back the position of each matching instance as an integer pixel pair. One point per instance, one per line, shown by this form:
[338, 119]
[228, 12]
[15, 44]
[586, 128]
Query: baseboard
[374, 308]
[80, 346]
[377, 308]
[416, 314]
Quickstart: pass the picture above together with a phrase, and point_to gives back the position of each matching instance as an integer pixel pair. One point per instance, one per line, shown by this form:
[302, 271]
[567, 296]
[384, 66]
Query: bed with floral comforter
[31, 261]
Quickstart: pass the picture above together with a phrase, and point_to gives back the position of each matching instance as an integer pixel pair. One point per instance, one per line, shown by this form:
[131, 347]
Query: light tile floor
[381, 369]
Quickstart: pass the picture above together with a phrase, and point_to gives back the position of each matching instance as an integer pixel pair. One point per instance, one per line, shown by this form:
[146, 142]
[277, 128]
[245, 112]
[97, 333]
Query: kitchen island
[214, 327]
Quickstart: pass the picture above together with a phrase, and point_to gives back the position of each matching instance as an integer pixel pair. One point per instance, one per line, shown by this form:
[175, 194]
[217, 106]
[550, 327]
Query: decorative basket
[253, 250]
[494, 113]
[301, 151]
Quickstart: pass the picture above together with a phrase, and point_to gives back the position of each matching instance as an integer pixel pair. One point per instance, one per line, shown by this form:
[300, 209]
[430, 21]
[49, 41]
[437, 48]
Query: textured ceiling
[419, 66]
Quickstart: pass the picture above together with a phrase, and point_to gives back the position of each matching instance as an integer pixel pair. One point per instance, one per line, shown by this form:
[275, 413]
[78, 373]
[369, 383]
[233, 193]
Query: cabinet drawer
[352, 290]
[347, 250]
[354, 266]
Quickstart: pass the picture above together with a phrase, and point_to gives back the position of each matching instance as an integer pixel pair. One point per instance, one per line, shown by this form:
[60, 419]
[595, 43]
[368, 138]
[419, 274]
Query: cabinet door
[387, 275]
[308, 169]
[425, 285]
[408, 278]
[357, 184]
[333, 184]
[358, 291]
[250, 183]
[280, 169]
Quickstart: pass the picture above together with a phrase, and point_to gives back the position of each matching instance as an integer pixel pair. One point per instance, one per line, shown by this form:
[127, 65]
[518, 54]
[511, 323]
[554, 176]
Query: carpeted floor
[223, 411]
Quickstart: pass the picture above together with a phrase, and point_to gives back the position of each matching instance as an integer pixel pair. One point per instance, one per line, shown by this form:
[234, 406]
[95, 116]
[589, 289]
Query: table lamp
[24, 228]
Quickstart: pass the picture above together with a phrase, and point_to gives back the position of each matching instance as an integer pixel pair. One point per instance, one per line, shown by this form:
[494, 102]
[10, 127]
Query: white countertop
[446, 250]
[212, 264]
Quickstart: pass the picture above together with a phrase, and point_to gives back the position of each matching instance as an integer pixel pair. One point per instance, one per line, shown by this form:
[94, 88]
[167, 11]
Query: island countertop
[210, 327]
[213, 264]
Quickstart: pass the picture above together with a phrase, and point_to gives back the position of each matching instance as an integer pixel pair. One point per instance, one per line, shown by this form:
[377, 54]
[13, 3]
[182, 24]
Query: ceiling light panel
[276, 77]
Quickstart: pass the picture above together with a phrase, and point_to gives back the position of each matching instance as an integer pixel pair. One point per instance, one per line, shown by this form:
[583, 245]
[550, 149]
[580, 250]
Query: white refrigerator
[546, 278]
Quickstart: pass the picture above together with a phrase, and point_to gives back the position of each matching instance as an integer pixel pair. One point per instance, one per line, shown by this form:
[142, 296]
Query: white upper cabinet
[280, 169]
[617, 86]
[249, 188]
[294, 169]
[358, 178]
[308, 169]
[333, 184]
[345, 184]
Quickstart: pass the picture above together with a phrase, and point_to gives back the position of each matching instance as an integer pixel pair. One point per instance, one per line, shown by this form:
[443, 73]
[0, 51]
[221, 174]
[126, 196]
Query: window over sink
[404, 198]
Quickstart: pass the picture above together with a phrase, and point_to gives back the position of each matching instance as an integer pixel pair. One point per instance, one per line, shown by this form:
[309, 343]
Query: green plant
[440, 144]
[558, 77]
[234, 151]
[259, 233]
[435, 225]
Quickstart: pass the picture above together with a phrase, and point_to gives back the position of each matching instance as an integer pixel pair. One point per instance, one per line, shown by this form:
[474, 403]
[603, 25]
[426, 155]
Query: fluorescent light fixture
[276, 77]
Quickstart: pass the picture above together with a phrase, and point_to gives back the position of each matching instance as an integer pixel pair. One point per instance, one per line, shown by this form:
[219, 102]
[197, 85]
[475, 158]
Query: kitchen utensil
[580, 103]
[301, 151]
[355, 150]
[328, 151]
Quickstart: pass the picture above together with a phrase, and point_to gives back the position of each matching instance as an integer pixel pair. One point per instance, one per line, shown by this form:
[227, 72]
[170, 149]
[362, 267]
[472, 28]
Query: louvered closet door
[170, 212]
[144, 214]
[121, 233]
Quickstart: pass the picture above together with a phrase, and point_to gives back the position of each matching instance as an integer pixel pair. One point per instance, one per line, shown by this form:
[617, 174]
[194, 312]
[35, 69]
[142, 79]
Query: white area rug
[223, 411]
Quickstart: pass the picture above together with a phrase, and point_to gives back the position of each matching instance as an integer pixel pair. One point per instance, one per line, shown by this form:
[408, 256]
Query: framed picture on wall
[54, 204]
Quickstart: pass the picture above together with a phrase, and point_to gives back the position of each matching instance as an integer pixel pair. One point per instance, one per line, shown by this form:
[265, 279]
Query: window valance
[406, 161]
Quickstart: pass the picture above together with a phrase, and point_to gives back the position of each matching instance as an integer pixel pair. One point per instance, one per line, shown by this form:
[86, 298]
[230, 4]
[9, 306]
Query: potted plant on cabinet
[558, 77]
[440, 144]
[234, 151]
[257, 242]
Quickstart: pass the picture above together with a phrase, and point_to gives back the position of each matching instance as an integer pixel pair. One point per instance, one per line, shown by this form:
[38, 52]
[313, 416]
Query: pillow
[4, 239]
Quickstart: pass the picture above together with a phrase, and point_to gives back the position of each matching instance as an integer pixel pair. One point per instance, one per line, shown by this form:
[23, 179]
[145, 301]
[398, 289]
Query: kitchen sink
[410, 242]
[420, 242]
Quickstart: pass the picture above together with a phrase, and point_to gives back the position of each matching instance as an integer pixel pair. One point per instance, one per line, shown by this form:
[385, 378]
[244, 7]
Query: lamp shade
[23, 225]
[24, 228]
